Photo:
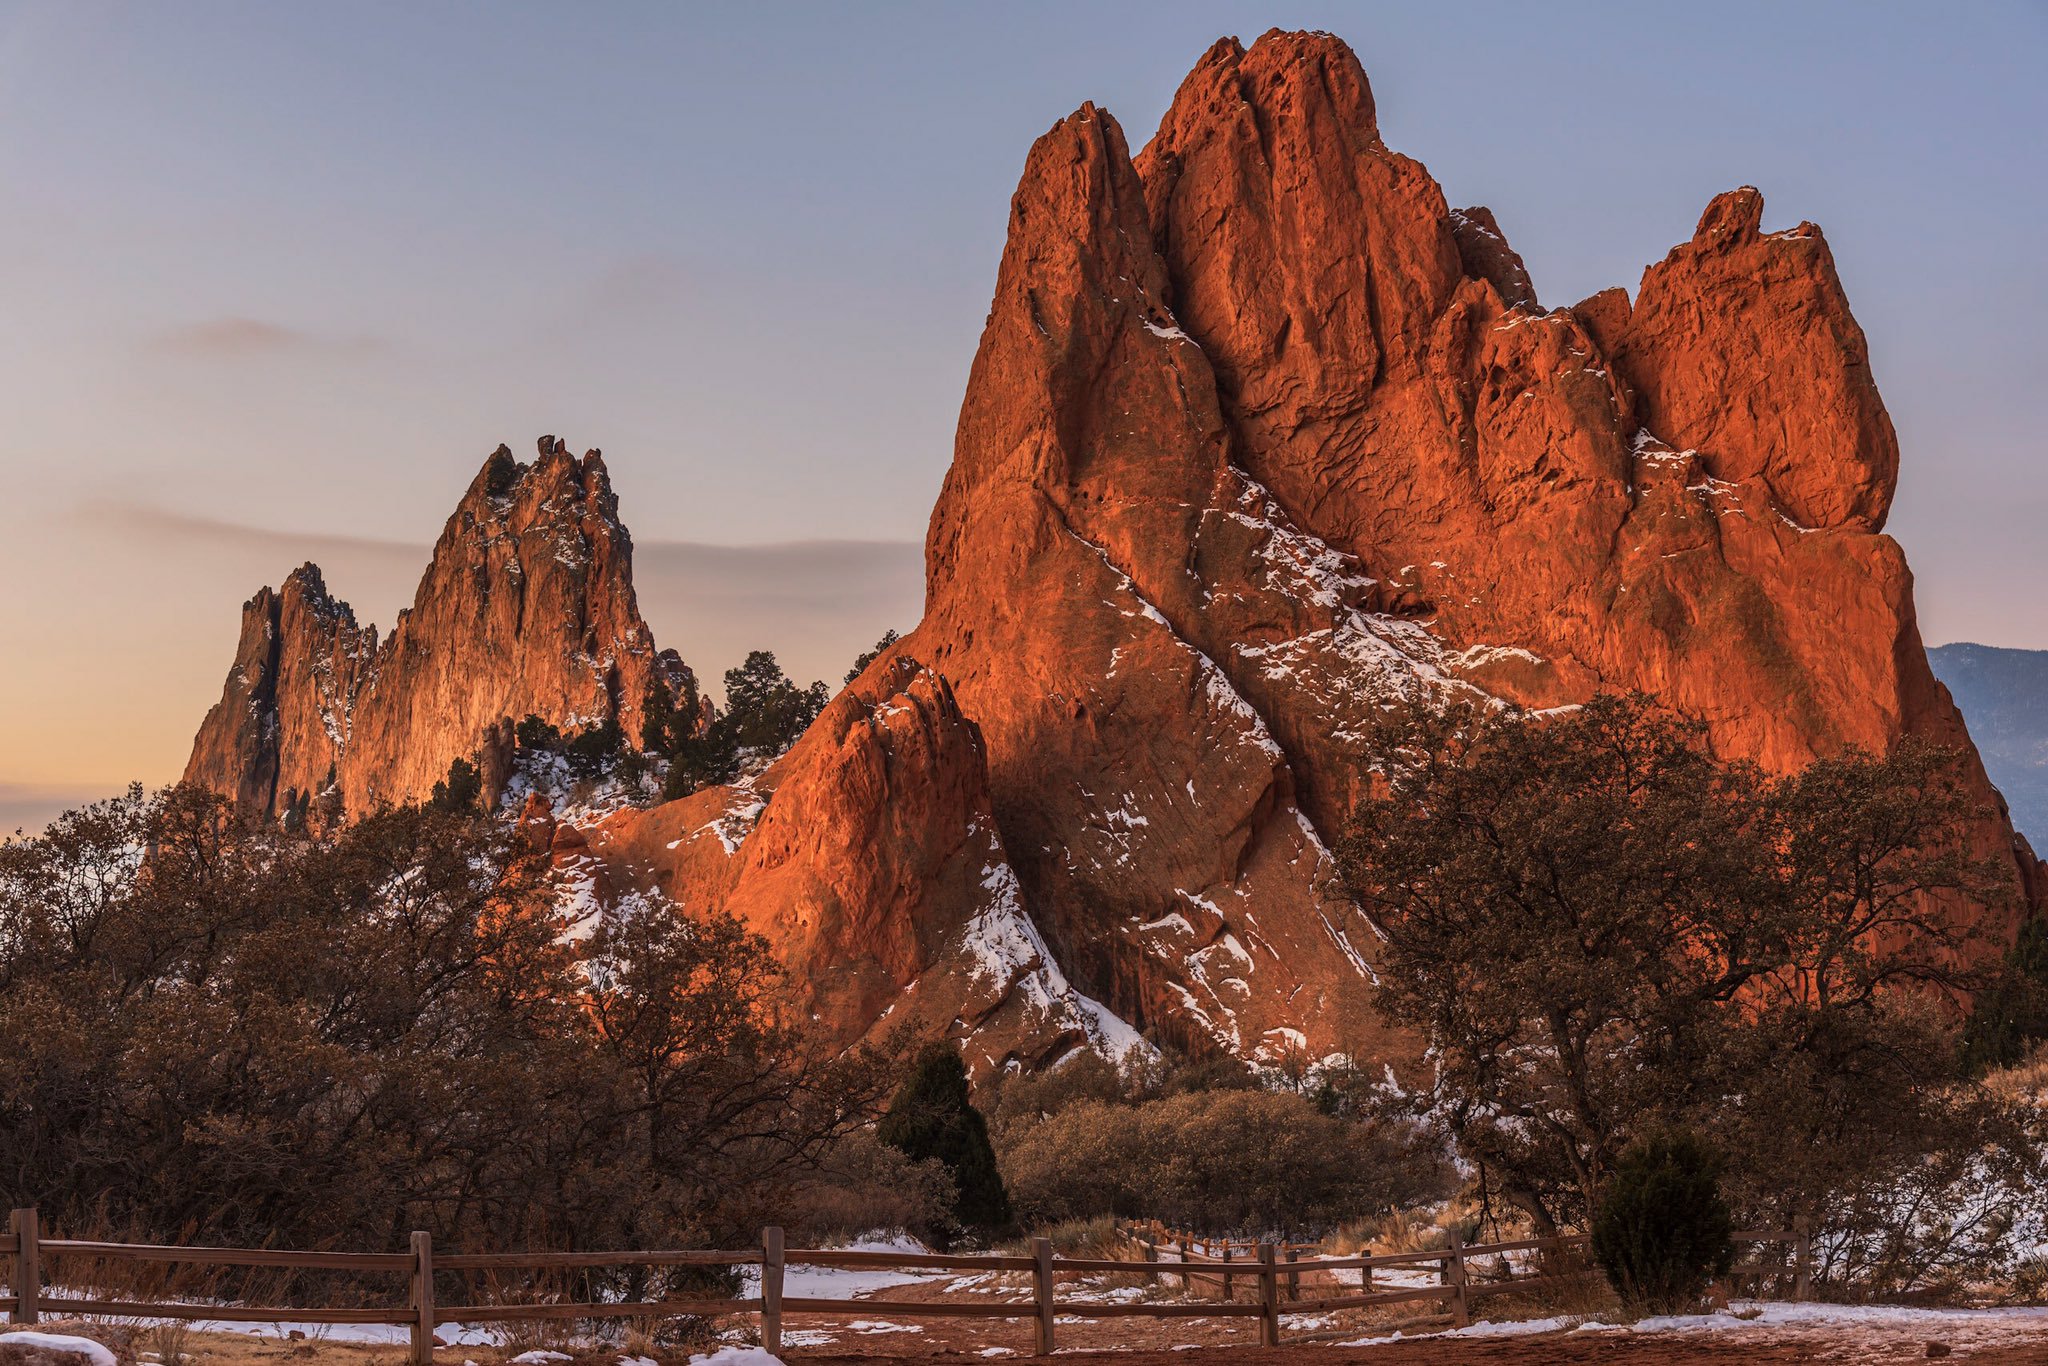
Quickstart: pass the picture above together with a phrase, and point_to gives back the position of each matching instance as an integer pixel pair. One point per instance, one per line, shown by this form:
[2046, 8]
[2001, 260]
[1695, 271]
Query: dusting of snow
[94, 1352]
[1004, 948]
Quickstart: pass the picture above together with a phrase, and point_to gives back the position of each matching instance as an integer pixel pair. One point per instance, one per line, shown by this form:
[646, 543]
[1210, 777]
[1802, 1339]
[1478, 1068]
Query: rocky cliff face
[1262, 432]
[284, 712]
[869, 855]
[1261, 435]
[526, 607]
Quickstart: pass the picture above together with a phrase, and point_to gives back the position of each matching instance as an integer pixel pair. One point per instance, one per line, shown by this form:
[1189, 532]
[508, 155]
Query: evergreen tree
[700, 754]
[462, 790]
[592, 749]
[704, 759]
[764, 711]
[1661, 1232]
[657, 714]
[860, 665]
[533, 732]
[931, 1116]
[2011, 1015]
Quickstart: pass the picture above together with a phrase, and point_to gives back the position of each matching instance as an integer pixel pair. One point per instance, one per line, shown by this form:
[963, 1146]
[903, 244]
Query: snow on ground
[1957, 1327]
[1863, 1325]
[58, 1342]
[737, 1356]
[799, 1281]
[846, 1283]
[368, 1334]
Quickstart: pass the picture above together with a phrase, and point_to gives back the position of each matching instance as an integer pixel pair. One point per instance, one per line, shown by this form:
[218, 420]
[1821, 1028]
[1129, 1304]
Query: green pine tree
[657, 713]
[1661, 1232]
[462, 790]
[932, 1116]
[868, 657]
[2011, 1015]
[534, 732]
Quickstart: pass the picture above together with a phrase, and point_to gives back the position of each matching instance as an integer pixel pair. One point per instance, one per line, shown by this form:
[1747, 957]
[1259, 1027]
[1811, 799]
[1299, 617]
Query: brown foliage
[1212, 1161]
[237, 1035]
[1598, 930]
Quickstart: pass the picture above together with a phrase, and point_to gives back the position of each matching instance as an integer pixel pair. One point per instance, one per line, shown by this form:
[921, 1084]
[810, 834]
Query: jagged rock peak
[1174, 565]
[1284, 71]
[1741, 345]
[527, 606]
[1484, 249]
[307, 583]
[1736, 214]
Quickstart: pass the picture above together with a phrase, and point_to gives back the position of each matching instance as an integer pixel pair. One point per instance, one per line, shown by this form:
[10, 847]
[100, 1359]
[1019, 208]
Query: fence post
[422, 1298]
[1152, 1258]
[28, 1265]
[1802, 1258]
[1461, 1310]
[771, 1289]
[1187, 1281]
[1229, 1281]
[1293, 1276]
[1269, 1298]
[1041, 1285]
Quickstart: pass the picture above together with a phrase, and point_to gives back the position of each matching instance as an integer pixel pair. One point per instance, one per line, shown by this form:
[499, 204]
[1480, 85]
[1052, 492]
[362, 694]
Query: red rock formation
[526, 607]
[869, 856]
[298, 668]
[1260, 433]
[1260, 430]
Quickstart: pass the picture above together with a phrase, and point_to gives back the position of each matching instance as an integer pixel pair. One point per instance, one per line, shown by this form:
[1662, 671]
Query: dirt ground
[1155, 1344]
[1561, 1349]
[1564, 1349]
[874, 1336]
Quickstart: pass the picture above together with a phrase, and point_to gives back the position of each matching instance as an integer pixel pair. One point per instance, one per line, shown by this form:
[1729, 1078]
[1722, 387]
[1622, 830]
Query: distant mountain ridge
[2003, 694]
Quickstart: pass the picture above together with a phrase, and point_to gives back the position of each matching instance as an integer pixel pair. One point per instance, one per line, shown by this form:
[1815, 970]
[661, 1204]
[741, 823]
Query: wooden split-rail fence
[29, 1256]
[1171, 1254]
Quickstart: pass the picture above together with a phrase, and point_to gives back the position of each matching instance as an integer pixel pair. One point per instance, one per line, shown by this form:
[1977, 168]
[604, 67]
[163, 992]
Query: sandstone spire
[527, 606]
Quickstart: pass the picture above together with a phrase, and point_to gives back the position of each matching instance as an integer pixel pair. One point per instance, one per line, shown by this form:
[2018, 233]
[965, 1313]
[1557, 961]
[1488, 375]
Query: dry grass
[2025, 1081]
[1410, 1230]
[1095, 1239]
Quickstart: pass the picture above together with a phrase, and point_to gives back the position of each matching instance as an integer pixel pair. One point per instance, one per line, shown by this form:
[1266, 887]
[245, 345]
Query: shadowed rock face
[1260, 433]
[526, 607]
[870, 857]
[284, 711]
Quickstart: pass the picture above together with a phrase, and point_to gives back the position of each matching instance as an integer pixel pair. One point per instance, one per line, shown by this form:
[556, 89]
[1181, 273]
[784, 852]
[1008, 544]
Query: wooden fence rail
[24, 1251]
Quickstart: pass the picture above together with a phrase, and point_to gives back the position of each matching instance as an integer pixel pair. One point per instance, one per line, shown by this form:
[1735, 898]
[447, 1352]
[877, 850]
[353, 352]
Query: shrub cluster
[1211, 1160]
[223, 1034]
[1662, 1230]
[1600, 932]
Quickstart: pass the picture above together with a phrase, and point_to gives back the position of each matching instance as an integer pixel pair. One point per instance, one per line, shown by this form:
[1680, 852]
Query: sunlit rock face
[527, 607]
[1261, 431]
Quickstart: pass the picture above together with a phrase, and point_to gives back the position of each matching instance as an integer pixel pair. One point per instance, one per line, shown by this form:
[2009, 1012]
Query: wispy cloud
[28, 807]
[148, 521]
[816, 603]
[239, 338]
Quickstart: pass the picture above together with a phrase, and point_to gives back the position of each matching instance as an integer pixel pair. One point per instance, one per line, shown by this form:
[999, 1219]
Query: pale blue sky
[299, 268]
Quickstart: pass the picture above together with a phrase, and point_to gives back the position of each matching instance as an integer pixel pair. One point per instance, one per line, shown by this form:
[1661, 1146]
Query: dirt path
[1564, 1349]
